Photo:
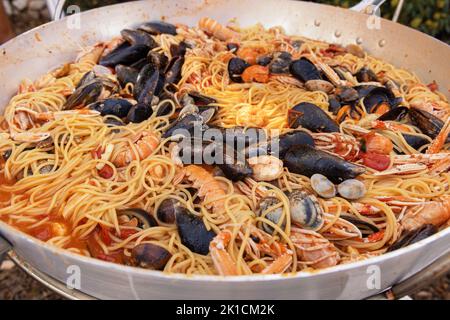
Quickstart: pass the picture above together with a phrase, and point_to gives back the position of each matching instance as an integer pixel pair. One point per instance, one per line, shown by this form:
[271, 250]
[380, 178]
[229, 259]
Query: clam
[267, 210]
[322, 186]
[319, 85]
[150, 256]
[352, 189]
[306, 210]
[144, 218]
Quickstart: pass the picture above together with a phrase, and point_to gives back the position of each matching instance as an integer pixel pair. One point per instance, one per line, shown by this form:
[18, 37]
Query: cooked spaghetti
[89, 162]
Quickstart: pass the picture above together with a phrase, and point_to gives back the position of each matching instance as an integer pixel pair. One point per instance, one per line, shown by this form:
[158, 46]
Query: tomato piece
[376, 161]
[104, 235]
[106, 172]
[377, 236]
[97, 153]
[433, 86]
[43, 233]
[125, 233]
[106, 257]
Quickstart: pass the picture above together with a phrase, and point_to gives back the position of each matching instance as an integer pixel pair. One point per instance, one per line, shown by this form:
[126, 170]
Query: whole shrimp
[214, 28]
[259, 242]
[146, 143]
[313, 249]
[433, 212]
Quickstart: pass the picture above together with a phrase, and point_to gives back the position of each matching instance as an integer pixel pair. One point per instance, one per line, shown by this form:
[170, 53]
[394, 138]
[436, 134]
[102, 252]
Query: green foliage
[429, 16]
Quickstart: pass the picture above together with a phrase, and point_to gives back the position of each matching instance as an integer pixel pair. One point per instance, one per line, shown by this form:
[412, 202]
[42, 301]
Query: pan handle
[371, 6]
[5, 247]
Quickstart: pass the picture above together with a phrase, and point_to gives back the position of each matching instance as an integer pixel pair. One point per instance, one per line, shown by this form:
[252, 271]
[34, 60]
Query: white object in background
[52, 8]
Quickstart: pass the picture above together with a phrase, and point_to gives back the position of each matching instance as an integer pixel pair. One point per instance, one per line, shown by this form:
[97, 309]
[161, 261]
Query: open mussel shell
[347, 94]
[125, 55]
[178, 50]
[173, 70]
[311, 117]
[148, 84]
[414, 236]
[158, 27]
[305, 210]
[144, 218]
[380, 97]
[150, 256]
[201, 100]
[396, 114]
[428, 123]
[274, 215]
[365, 227]
[193, 232]
[307, 161]
[304, 70]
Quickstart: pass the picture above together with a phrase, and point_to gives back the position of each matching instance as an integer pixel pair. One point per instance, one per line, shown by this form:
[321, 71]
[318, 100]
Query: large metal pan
[39, 50]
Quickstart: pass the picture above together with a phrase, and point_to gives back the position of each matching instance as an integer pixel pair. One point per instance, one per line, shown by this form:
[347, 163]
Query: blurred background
[18, 16]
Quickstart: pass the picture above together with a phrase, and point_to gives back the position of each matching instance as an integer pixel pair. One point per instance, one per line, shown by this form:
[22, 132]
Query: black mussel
[311, 117]
[281, 62]
[347, 94]
[289, 140]
[365, 227]
[125, 55]
[168, 210]
[267, 210]
[201, 100]
[264, 60]
[84, 95]
[159, 27]
[148, 85]
[178, 50]
[158, 60]
[236, 67]
[415, 141]
[304, 70]
[138, 65]
[365, 74]
[193, 232]
[145, 219]
[307, 161]
[414, 236]
[173, 70]
[364, 90]
[428, 123]
[114, 107]
[334, 105]
[235, 167]
[150, 256]
[114, 122]
[87, 78]
[135, 37]
[349, 111]
[396, 114]
[305, 210]
[297, 44]
[340, 71]
[240, 138]
[126, 75]
[380, 99]
[139, 113]
[185, 126]
[233, 47]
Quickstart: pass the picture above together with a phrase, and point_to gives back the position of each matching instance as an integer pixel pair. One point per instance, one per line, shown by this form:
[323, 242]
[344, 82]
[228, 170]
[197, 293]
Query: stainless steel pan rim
[400, 48]
[339, 268]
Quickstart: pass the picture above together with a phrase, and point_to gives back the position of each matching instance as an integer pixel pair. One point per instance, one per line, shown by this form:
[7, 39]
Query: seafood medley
[224, 150]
